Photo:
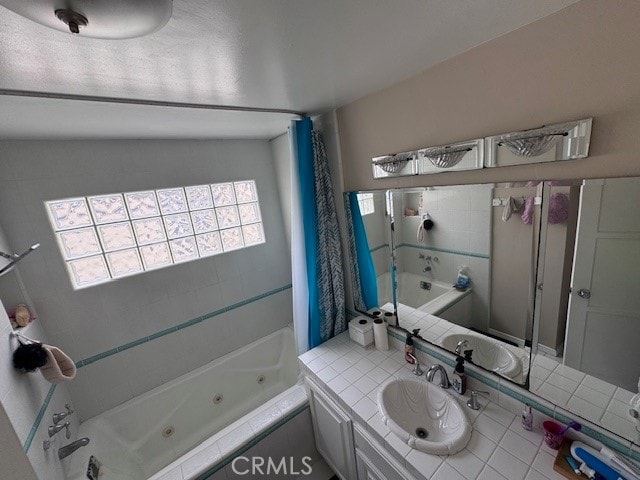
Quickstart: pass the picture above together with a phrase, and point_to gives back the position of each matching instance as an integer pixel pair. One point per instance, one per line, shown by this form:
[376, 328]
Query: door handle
[584, 293]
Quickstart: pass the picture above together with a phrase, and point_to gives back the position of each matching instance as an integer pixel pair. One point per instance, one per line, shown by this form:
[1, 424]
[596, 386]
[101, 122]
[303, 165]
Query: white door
[603, 327]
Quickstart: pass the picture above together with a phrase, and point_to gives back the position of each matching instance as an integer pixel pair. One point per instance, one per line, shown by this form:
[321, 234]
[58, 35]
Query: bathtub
[436, 300]
[185, 427]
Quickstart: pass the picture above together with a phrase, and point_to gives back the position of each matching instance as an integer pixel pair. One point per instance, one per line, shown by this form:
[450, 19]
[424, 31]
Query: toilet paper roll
[390, 318]
[380, 336]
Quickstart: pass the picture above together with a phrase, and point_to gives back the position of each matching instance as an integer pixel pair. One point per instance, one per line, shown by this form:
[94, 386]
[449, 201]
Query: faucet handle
[472, 403]
[58, 417]
[416, 369]
[53, 429]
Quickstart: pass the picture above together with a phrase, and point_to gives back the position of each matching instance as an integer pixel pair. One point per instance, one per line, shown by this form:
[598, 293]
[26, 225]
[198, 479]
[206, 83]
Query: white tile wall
[85, 323]
[22, 396]
[462, 218]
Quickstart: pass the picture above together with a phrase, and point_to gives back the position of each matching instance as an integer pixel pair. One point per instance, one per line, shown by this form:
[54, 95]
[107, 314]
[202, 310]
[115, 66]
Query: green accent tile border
[444, 250]
[38, 420]
[488, 379]
[379, 247]
[253, 442]
[181, 326]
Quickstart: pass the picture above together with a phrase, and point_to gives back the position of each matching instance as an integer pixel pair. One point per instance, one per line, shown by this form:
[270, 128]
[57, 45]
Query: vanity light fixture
[447, 156]
[112, 19]
[533, 143]
[394, 163]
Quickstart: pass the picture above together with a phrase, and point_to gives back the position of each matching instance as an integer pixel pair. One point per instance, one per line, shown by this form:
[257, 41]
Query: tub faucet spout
[67, 450]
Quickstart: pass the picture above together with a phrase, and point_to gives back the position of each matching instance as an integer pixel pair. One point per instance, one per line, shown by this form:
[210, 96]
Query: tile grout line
[176, 328]
[38, 419]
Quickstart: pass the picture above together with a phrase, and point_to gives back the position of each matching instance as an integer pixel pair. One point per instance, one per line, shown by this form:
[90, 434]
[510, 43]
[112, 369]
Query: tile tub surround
[240, 437]
[29, 402]
[499, 446]
[146, 434]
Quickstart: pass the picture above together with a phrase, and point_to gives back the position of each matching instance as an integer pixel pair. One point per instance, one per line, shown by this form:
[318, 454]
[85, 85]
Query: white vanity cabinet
[373, 461]
[333, 432]
[347, 447]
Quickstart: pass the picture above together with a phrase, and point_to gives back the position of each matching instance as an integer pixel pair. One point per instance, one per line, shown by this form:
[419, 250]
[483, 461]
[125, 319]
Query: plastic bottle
[527, 417]
[409, 348]
[459, 379]
[462, 281]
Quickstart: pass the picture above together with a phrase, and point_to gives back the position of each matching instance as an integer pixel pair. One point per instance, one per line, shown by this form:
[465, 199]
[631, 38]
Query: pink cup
[552, 436]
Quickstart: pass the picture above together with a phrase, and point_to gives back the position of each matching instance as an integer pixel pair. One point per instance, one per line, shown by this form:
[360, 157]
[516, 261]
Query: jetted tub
[173, 430]
[438, 298]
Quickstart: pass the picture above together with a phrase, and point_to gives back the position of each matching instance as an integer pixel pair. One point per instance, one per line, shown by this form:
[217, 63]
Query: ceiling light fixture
[107, 19]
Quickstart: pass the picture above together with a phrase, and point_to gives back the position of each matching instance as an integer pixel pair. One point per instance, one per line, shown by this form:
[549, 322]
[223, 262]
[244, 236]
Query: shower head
[15, 258]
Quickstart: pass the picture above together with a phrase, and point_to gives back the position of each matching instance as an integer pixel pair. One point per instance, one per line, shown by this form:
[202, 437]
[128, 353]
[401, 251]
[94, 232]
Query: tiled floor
[597, 401]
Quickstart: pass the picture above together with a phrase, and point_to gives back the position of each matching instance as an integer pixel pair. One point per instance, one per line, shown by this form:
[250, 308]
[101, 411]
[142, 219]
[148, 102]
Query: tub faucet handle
[58, 417]
[53, 429]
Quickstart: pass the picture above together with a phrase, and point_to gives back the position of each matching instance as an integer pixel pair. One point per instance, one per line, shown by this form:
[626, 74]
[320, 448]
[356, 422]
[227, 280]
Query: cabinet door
[333, 433]
[366, 469]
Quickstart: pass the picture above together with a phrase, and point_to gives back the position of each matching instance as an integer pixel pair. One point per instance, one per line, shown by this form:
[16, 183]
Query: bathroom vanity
[343, 382]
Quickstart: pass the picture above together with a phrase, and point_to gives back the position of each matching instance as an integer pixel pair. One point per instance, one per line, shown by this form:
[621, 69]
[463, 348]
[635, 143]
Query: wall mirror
[554, 269]
[587, 350]
[424, 238]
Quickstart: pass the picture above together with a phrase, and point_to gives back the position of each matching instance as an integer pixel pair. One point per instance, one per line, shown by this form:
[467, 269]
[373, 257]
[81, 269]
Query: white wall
[23, 395]
[91, 321]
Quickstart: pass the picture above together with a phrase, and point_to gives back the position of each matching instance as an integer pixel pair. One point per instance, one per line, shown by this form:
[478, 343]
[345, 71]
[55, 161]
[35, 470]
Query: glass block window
[365, 202]
[106, 237]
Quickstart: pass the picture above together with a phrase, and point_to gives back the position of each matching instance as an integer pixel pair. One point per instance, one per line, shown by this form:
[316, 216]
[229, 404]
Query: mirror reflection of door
[587, 360]
[604, 307]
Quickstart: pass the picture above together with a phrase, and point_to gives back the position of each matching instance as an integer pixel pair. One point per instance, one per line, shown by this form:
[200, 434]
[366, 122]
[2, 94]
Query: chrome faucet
[53, 429]
[444, 378]
[58, 417]
[461, 343]
[417, 371]
[67, 450]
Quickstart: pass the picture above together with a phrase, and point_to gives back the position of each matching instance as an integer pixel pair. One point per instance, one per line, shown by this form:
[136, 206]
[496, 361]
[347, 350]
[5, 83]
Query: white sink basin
[487, 353]
[424, 416]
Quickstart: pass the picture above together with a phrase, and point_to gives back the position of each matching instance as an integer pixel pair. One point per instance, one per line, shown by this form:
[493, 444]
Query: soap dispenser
[459, 379]
[409, 349]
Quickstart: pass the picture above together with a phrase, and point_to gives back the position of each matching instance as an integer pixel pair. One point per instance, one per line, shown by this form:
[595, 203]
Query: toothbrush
[575, 425]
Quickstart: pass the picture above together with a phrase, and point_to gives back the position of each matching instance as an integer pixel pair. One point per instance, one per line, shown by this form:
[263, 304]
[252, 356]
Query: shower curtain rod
[153, 103]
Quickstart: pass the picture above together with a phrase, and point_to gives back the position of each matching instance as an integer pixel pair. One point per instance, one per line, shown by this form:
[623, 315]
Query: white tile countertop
[499, 447]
